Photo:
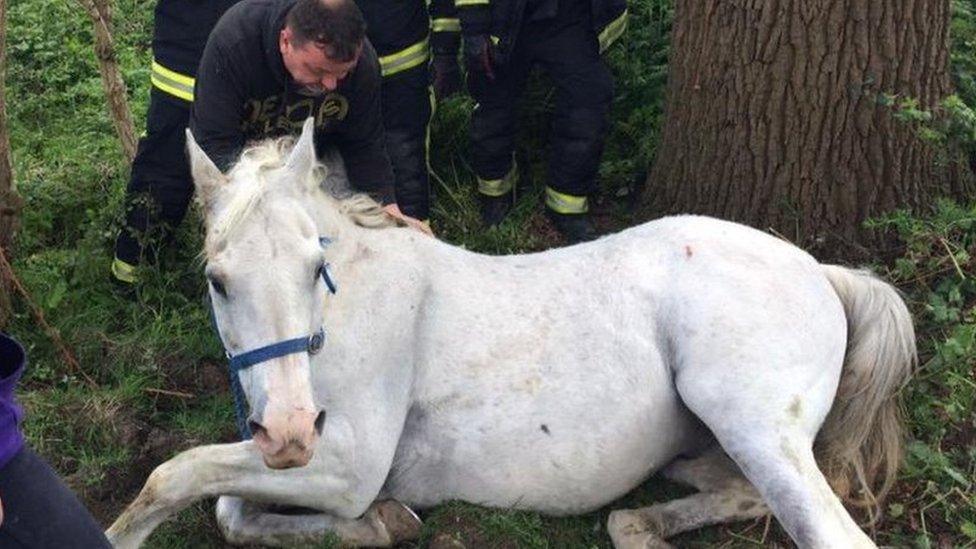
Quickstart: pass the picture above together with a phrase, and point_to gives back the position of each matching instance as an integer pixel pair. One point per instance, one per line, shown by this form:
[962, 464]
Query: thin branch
[952, 256]
[178, 394]
[115, 92]
[7, 272]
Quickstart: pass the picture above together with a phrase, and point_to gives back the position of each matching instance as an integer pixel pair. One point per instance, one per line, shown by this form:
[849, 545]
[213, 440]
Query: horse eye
[218, 287]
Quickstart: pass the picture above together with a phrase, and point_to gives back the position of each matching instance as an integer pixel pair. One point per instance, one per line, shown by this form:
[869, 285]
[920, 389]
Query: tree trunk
[780, 116]
[115, 91]
[10, 201]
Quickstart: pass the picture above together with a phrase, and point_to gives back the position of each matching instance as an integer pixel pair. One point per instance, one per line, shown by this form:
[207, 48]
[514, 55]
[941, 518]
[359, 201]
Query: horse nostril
[255, 427]
[319, 422]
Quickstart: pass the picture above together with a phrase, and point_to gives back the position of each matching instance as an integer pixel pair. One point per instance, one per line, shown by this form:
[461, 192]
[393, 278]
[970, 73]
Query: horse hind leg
[772, 443]
[725, 496]
[248, 523]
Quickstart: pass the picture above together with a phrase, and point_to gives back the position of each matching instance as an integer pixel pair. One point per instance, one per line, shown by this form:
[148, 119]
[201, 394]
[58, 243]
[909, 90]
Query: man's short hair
[337, 26]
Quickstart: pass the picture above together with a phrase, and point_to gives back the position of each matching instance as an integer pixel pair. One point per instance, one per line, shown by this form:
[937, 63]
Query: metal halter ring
[315, 342]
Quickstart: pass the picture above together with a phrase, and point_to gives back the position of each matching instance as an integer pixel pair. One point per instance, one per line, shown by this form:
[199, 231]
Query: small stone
[446, 541]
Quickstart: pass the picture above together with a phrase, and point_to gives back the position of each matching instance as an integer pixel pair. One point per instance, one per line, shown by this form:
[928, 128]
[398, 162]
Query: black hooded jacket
[243, 92]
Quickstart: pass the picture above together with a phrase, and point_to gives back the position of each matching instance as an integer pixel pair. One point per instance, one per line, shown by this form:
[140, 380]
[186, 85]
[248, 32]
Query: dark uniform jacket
[504, 18]
[181, 29]
[394, 26]
[404, 31]
[243, 92]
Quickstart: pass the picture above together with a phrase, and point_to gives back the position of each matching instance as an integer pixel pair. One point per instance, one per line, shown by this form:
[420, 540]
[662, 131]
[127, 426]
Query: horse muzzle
[287, 439]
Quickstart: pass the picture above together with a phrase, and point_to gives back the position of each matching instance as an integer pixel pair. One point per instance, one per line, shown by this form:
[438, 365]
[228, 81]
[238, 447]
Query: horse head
[268, 285]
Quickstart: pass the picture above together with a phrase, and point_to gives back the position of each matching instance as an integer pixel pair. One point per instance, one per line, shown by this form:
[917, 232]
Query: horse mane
[250, 186]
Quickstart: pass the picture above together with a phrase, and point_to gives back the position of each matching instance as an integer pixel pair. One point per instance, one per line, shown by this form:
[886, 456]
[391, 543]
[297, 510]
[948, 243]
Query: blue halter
[311, 344]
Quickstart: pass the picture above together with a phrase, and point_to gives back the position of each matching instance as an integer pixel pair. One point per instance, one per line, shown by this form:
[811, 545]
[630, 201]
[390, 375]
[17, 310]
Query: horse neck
[381, 284]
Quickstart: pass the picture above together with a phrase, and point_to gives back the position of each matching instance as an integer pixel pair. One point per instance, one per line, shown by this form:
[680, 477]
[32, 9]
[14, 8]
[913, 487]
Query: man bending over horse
[271, 64]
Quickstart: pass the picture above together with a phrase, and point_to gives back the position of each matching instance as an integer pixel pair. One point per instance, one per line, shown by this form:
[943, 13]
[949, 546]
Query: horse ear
[206, 176]
[302, 158]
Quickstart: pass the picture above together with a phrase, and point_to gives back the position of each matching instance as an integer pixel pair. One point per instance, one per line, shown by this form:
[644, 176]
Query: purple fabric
[12, 360]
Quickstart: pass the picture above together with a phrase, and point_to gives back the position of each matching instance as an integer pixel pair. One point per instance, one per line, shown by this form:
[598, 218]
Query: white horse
[554, 382]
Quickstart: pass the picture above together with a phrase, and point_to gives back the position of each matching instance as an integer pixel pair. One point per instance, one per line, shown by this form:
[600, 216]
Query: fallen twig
[7, 272]
[177, 394]
[952, 256]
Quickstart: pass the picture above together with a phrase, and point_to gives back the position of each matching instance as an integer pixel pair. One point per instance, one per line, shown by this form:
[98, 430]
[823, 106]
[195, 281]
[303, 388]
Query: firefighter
[404, 36]
[160, 186]
[271, 64]
[502, 40]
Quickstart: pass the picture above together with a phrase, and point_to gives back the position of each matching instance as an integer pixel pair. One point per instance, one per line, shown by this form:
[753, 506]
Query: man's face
[311, 68]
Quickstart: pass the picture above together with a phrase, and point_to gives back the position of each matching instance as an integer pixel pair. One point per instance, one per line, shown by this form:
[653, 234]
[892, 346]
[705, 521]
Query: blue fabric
[240, 407]
[275, 350]
[327, 277]
[12, 363]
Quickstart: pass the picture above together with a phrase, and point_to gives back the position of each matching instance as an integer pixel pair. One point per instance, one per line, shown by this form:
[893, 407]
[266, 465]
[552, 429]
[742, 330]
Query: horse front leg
[384, 524]
[238, 470]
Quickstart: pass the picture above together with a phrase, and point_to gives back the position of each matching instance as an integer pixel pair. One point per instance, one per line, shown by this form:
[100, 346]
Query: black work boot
[575, 228]
[495, 208]
[124, 277]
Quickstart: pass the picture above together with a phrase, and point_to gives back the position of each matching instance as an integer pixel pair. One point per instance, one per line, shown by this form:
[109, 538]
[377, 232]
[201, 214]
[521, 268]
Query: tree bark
[115, 92]
[10, 202]
[778, 114]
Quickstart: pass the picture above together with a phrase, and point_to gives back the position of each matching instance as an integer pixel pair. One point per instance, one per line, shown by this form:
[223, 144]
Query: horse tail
[859, 447]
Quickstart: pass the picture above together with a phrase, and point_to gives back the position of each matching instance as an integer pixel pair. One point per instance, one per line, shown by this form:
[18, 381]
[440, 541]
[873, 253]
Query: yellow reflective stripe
[565, 203]
[463, 3]
[124, 271]
[172, 82]
[404, 59]
[498, 187]
[612, 32]
[445, 25]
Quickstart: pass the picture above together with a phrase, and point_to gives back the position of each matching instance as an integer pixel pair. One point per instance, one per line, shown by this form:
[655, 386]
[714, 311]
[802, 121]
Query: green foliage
[963, 54]
[938, 266]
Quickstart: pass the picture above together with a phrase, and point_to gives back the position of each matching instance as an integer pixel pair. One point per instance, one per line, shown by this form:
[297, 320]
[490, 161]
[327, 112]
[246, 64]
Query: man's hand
[445, 76]
[479, 51]
[394, 211]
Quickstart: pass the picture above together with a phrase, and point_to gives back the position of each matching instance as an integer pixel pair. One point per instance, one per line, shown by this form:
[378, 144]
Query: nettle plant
[937, 270]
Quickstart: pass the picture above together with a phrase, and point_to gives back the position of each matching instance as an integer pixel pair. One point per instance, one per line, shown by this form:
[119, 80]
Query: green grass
[105, 440]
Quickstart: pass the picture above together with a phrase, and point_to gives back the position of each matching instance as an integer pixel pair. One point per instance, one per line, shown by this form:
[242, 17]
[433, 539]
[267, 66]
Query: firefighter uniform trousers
[400, 30]
[568, 49]
[160, 185]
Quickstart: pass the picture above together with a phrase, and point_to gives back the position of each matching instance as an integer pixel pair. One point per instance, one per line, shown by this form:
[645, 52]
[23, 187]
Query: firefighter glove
[479, 51]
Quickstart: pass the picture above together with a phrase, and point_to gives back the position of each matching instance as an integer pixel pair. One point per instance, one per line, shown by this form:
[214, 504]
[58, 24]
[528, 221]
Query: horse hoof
[400, 521]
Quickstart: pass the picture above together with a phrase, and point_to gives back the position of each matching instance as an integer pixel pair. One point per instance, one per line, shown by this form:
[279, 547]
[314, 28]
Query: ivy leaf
[56, 295]
[969, 529]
